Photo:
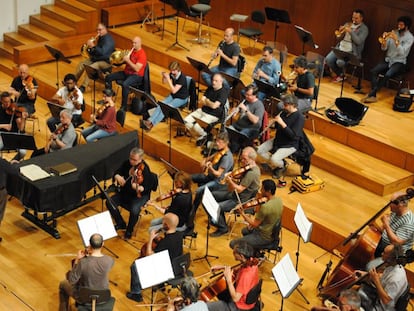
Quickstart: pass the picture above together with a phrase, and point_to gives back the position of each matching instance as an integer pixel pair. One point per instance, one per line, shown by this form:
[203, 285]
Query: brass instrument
[84, 47]
[339, 32]
[382, 39]
[117, 57]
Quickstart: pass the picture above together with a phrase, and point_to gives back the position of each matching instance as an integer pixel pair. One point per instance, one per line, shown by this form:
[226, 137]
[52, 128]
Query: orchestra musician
[348, 300]
[397, 44]
[352, 40]
[90, 269]
[63, 137]
[239, 282]
[289, 128]
[104, 120]
[259, 230]
[244, 188]
[99, 49]
[70, 97]
[250, 116]
[133, 73]
[215, 166]
[189, 299]
[24, 89]
[172, 241]
[229, 51]
[135, 180]
[181, 203]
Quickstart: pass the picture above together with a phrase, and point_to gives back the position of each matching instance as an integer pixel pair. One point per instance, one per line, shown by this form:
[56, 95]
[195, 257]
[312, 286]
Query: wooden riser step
[36, 33]
[16, 39]
[99, 4]
[57, 28]
[56, 13]
[6, 50]
[7, 66]
[79, 8]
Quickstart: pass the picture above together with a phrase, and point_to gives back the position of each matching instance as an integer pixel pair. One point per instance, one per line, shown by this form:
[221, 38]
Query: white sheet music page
[303, 224]
[100, 223]
[154, 269]
[210, 204]
[286, 277]
[33, 172]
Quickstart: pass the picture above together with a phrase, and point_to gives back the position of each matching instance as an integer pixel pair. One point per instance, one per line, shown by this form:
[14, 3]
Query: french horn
[117, 57]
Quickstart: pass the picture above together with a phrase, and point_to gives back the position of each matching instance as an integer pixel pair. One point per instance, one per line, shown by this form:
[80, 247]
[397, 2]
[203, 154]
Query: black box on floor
[350, 111]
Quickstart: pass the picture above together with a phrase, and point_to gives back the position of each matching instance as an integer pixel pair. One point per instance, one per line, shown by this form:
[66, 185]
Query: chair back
[191, 86]
[120, 117]
[95, 299]
[241, 63]
[402, 302]
[146, 83]
[180, 265]
[204, 2]
[282, 49]
[258, 17]
[254, 294]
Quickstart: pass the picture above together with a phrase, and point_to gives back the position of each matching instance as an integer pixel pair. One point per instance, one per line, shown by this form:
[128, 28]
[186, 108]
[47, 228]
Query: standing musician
[397, 44]
[215, 167]
[181, 203]
[99, 49]
[135, 180]
[229, 51]
[246, 188]
[104, 120]
[348, 300]
[289, 128]
[172, 241]
[24, 89]
[63, 137]
[259, 230]
[250, 112]
[352, 40]
[70, 97]
[189, 300]
[238, 283]
[133, 73]
[90, 269]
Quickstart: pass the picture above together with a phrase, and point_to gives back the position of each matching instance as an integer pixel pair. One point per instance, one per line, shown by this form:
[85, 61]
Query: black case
[350, 111]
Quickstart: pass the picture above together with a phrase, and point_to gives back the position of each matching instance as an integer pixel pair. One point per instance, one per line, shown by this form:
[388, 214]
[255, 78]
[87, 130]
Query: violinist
[104, 121]
[130, 186]
[250, 112]
[172, 241]
[246, 188]
[24, 89]
[69, 97]
[240, 282]
[215, 166]
[90, 269]
[189, 300]
[259, 231]
[63, 137]
[181, 203]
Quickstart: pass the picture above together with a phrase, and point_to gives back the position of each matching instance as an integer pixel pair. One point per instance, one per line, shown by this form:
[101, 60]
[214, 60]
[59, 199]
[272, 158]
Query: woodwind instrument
[215, 54]
[382, 39]
[339, 32]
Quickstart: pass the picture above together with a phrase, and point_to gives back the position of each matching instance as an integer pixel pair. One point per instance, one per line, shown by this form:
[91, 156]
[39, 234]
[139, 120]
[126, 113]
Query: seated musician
[135, 180]
[289, 127]
[104, 121]
[172, 241]
[11, 120]
[70, 97]
[246, 188]
[250, 112]
[90, 269]
[24, 89]
[62, 137]
[181, 203]
[212, 110]
[189, 300]
[259, 230]
[215, 167]
[239, 282]
[267, 69]
[389, 285]
[348, 300]
[398, 226]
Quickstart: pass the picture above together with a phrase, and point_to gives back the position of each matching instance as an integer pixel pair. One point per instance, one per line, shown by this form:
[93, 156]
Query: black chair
[95, 300]
[274, 248]
[399, 80]
[254, 33]
[253, 296]
[198, 10]
[189, 233]
[403, 300]
[192, 91]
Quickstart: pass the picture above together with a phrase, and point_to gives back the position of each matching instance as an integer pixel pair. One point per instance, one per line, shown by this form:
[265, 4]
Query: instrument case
[350, 112]
[310, 184]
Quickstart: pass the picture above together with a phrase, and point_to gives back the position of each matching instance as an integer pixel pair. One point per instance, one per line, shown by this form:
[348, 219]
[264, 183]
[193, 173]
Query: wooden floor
[33, 262]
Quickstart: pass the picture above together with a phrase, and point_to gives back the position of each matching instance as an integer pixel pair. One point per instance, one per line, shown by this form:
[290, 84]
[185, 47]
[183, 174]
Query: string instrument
[101, 109]
[137, 176]
[236, 174]
[16, 111]
[155, 242]
[60, 129]
[28, 84]
[253, 203]
[216, 159]
[73, 97]
[168, 194]
[386, 35]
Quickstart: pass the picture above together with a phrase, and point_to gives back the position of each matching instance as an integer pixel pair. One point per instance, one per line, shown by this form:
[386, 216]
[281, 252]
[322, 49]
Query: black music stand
[163, 18]
[348, 58]
[178, 5]
[199, 66]
[267, 88]
[170, 113]
[238, 139]
[55, 109]
[306, 38]
[236, 86]
[92, 74]
[277, 16]
[15, 141]
[57, 55]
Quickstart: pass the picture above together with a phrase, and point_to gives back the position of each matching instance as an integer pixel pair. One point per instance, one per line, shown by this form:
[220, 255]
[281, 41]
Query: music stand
[15, 141]
[348, 58]
[269, 89]
[55, 109]
[92, 74]
[306, 38]
[163, 19]
[169, 168]
[178, 5]
[277, 16]
[236, 86]
[57, 55]
[199, 66]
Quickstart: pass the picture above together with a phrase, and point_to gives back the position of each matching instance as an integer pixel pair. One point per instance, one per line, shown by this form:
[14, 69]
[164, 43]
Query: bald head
[23, 71]
[170, 222]
[228, 35]
[136, 43]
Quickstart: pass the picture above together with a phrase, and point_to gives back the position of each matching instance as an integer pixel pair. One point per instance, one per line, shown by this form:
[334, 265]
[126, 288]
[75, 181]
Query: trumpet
[382, 39]
[117, 57]
[339, 32]
[84, 47]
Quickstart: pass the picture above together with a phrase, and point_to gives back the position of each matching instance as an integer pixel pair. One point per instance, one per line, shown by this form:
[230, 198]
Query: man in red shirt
[133, 73]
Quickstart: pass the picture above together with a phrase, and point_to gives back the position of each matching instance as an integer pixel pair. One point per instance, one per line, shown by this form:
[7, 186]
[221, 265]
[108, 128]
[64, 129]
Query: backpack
[403, 101]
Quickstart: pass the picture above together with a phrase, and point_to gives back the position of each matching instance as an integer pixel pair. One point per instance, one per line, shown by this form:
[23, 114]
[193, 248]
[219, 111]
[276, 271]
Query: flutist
[351, 38]
[397, 44]
[267, 69]
[229, 51]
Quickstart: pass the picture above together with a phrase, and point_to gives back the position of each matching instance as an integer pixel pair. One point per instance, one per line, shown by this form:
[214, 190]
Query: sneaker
[120, 226]
[370, 99]
[281, 183]
[218, 233]
[147, 125]
[127, 235]
[337, 79]
[135, 297]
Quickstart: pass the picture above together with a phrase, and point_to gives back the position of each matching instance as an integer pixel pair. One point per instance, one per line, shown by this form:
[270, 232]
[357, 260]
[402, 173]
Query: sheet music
[303, 224]
[154, 269]
[286, 277]
[210, 204]
[100, 223]
[33, 172]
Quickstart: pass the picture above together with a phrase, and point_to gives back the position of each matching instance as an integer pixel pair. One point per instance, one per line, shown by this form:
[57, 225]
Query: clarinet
[213, 57]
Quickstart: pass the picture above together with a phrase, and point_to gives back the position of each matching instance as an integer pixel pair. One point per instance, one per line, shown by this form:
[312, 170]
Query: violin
[216, 159]
[155, 242]
[253, 203]
[236, 174]
[137, 176]
[28, 84]
[168, 195]
[101, 109]
[73, 97]
[14, 110]
[60, 129]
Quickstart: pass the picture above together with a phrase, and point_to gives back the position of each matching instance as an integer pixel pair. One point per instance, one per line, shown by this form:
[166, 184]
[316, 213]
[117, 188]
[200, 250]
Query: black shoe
[135, 297]
[82, 89]
[218, 233]
[120, 226]
[201, 141]
[127, 235]
[1, 239]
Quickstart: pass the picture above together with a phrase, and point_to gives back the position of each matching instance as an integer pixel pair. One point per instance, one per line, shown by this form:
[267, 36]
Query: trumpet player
[99, 49]
[397, 44]
[133, 73]
[229, 51]
[352, 40]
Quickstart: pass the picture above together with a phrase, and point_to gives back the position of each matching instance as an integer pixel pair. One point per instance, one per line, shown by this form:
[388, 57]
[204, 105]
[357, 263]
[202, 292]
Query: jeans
[226, 203]
[127, 81]
[276, 159]
[389, 72]
[156, 224]
[157, 116]
[93, 133]
[135, 284]
[230, 71]
[336, 65]
[251, 237]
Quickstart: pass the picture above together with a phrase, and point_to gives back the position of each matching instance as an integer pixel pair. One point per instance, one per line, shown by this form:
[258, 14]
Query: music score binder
[63, 169]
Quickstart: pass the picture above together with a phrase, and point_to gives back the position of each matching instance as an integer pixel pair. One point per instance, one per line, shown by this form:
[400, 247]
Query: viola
[216, 159]
[102, 109]
[168, 195]
[60, 129]
[73, 97]
[137, 176]
[236, 174]
[254, 203]
[28, 83]
[155, 242]
[14, 110]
